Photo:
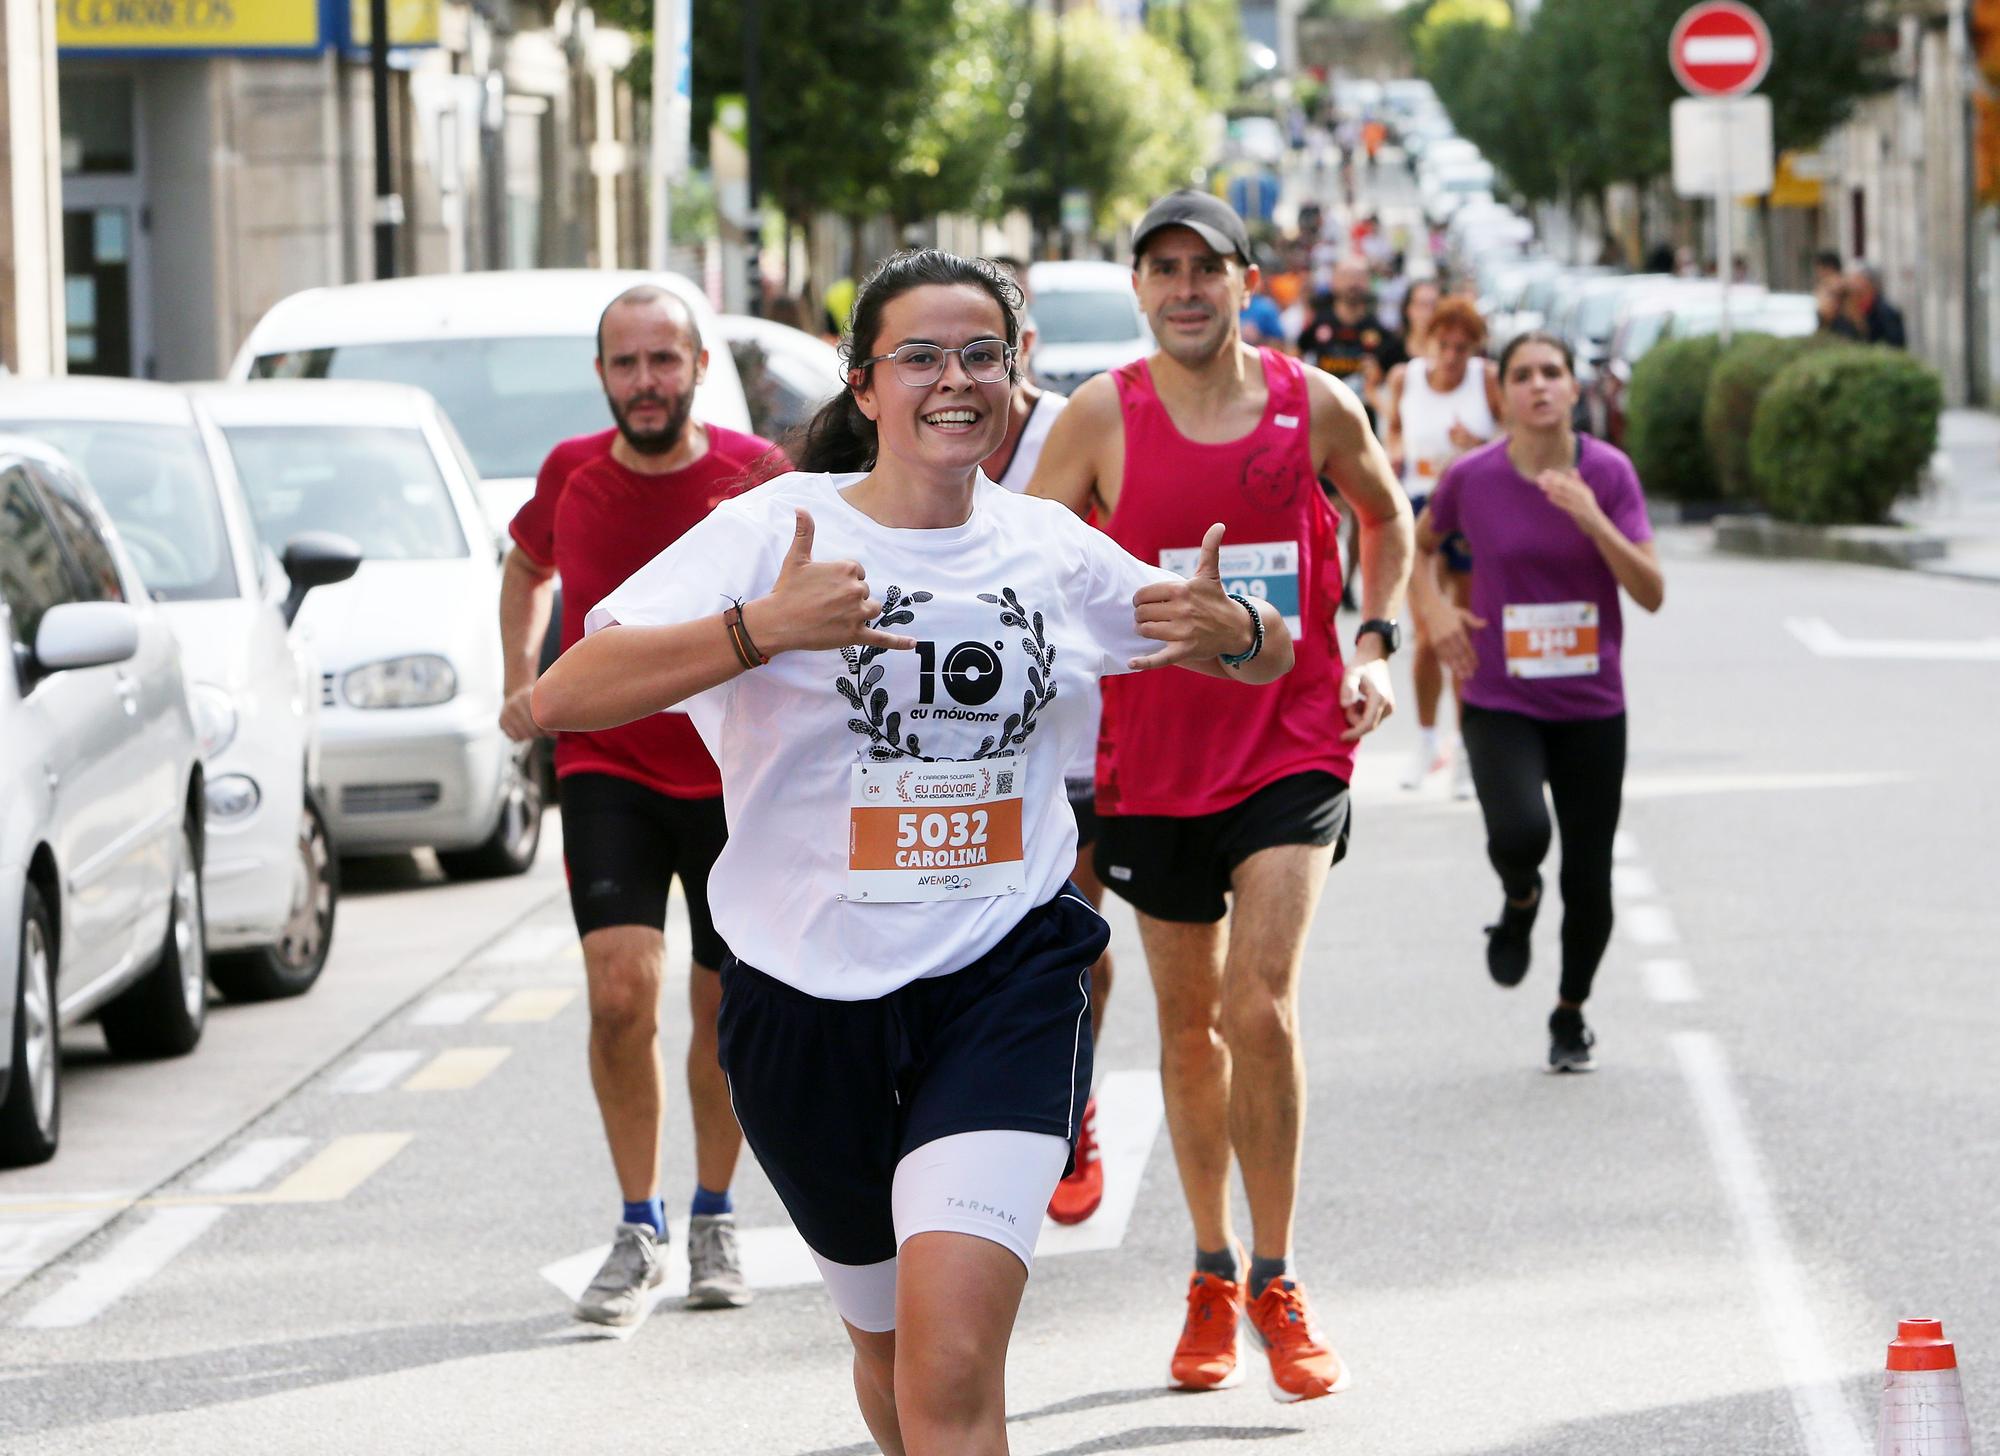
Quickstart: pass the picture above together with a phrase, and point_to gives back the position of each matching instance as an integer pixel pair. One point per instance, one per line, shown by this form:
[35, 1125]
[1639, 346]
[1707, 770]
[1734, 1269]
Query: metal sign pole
[1725, 221]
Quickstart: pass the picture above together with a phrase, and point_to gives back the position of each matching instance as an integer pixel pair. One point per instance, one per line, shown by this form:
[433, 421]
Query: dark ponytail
[840, 439]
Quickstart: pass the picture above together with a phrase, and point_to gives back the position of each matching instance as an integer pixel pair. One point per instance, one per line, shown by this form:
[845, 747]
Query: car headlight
[214, 718]
[233, 796]
[421, 681]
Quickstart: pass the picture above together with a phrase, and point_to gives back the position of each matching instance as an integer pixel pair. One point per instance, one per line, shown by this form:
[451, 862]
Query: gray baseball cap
[1214, 221]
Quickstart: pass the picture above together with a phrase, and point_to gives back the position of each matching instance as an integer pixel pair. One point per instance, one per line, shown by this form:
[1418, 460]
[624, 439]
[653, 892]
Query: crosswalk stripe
[1648, 925]
[451, 1008]
[1633, 882]
[103, 1281]
[457, 1069]
[339, 1168]
[1671, 983]
[538, 1003]
[250, 1165]
[373, 1072]
[28, 1242]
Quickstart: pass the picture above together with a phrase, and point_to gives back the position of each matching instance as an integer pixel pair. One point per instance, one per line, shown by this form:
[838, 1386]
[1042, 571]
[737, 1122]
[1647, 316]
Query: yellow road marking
[342, 1166]
[339, 1168]
[538, 1004]
[457, 1069]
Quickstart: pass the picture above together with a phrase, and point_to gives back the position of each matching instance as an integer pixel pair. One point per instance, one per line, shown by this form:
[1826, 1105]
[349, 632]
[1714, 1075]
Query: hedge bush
[1663, 419]
[1729, 411]
[1843, 434]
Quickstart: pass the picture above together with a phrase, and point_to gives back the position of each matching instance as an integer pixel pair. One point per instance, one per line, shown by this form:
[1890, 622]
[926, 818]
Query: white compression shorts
[994, 1185]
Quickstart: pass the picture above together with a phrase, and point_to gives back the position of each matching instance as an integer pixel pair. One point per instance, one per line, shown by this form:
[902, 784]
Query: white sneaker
[1461, 775]
[632, 1270]
[1425, 761]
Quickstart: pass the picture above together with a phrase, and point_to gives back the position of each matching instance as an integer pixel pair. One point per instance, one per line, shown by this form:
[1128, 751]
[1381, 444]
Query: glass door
[106, 299]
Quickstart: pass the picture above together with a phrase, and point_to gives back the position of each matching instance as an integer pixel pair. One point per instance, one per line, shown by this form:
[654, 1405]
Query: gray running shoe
[715, 1270]
[634, 1267]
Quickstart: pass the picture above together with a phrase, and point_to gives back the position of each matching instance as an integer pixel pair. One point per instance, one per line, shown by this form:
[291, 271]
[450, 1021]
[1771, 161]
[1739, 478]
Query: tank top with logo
[1428, 415]
[1177, 743]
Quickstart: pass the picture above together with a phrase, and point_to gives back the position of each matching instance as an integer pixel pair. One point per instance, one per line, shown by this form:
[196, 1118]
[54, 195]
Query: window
[1065, 317]
[378, 486]
[77, 524]
[155, 483]
[33, 576]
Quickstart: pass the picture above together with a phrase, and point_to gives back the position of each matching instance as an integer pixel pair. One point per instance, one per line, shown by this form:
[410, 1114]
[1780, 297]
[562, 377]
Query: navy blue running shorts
[1174, 868]
[623, 843]
[832, 1095]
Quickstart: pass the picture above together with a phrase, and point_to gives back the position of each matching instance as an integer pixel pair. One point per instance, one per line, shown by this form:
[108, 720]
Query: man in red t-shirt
[1220, 811]
[642, 803]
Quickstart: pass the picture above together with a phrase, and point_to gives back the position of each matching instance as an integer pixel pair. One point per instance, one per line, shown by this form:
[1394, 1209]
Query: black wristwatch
[1383, 627]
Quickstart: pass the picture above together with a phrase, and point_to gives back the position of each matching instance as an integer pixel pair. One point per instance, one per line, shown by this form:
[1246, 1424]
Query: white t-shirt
[1022, 579]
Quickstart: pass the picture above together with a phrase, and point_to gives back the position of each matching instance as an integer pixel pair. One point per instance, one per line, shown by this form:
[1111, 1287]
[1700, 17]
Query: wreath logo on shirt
[969, 672]
[1268, 483]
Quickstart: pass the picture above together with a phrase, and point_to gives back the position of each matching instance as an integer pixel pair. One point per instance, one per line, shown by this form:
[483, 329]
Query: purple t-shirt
[1553, 638]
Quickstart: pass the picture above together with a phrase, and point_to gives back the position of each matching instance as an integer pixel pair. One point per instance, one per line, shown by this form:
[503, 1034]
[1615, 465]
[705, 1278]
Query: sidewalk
[1964, 503]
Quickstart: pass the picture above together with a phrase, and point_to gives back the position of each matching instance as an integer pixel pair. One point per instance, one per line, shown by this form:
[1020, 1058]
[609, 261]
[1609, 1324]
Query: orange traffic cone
[1923, 1410]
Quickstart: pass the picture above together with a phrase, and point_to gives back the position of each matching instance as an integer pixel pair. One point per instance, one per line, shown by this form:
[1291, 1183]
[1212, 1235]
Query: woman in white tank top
[1440, 406]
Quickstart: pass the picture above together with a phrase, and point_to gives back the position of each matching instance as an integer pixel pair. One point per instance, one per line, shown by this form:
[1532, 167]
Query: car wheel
[31, 1113]
[163, 1012]
[290, 964]
[510, 849]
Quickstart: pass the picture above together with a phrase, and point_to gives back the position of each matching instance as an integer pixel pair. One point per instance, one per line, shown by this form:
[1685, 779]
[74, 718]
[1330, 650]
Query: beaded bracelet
[1237, 659]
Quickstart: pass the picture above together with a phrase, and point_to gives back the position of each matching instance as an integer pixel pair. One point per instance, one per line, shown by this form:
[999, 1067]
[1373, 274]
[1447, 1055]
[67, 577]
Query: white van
[508, 355]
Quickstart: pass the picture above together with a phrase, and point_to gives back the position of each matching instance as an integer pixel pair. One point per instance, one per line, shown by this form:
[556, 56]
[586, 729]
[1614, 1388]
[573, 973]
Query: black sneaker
[1570, 1042]
[1507, 946]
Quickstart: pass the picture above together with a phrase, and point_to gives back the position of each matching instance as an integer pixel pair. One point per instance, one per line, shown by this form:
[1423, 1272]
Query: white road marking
[1810, 1375]
[1633, 881]
[28, 1243]
[373, 1072]
[250, 1165]
[451, 1008]
[1648, 925]
[1671, 983]
[1662, 786]
[534, 943]
[1624, 847]
[1130, 1108]
[1825, 641]
[102, 1282]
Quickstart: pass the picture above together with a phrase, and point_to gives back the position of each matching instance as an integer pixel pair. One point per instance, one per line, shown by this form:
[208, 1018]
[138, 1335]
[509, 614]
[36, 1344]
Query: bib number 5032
[940, 830]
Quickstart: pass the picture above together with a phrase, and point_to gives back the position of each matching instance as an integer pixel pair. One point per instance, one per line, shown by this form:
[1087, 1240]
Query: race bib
[935, 831]
[1267, 572]
[1551, 639]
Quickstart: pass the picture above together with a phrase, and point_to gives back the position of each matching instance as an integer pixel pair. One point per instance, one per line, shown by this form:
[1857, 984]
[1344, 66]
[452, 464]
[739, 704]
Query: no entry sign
[1720, 48]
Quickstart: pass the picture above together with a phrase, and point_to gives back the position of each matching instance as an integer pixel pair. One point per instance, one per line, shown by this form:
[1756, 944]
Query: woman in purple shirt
[1557, 526]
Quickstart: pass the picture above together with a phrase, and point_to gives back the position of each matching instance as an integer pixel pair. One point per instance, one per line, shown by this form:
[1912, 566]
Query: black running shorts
[1174, 868]
[1083, 804]
[833, 1094]
[623, 843]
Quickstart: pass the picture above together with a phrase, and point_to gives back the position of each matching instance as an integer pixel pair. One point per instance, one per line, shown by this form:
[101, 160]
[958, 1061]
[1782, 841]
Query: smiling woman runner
[887, 655]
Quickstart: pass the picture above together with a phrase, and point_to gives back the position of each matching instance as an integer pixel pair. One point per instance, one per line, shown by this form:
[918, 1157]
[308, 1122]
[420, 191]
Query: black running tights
[1583, 764]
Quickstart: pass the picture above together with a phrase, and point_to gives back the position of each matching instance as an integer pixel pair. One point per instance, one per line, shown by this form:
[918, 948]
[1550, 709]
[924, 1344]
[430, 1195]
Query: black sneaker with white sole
[1507, 947]
[1570, 1042]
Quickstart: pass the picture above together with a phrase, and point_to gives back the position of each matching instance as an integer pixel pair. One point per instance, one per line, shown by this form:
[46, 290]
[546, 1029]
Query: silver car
[101, 807]
[411, 750]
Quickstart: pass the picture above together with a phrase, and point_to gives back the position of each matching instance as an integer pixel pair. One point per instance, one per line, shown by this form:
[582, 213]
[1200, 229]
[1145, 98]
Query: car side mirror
[85, 634]
[316, 558]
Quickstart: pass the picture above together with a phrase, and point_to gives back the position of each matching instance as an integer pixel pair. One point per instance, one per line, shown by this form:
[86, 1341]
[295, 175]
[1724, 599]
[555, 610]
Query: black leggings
[1583, 763]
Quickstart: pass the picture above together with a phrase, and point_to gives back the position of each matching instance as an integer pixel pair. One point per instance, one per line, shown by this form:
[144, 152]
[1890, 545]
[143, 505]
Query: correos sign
[189, 25]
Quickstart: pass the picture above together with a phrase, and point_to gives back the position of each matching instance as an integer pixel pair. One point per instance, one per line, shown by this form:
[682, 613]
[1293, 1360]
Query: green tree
[958, 153]
[1209, 36]
[1112, 113]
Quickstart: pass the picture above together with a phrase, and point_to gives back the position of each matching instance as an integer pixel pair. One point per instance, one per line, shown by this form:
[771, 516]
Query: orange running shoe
[1303, 1364]
[1205, 1358]
[1077, 1196]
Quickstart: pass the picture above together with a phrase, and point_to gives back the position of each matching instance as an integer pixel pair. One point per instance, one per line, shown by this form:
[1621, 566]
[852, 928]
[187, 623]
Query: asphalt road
[1702, 1248]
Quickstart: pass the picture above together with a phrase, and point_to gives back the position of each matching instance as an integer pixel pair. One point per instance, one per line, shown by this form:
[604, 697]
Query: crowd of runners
[898, 700]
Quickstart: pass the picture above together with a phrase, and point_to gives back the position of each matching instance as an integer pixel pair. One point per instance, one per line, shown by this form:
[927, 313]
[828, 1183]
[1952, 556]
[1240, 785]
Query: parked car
[410, 743]
[508, 355]
[101, 802]
[1087, 320]
[269, 877]
[1788, 315]
[1448, 187]
[1643, 316]
[787, 373]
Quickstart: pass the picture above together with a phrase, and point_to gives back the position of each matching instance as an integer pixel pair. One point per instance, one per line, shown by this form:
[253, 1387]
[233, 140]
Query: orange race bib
[1551, 639]
[935, 831]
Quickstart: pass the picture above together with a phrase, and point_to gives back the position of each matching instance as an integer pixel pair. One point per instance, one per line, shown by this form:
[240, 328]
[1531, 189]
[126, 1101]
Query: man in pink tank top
[1222, 809]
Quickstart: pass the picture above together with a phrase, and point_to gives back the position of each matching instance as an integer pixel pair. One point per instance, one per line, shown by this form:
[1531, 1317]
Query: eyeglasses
[988, 361]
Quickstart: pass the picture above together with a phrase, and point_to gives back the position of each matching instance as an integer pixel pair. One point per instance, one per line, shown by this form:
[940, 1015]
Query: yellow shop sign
[189, 25]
